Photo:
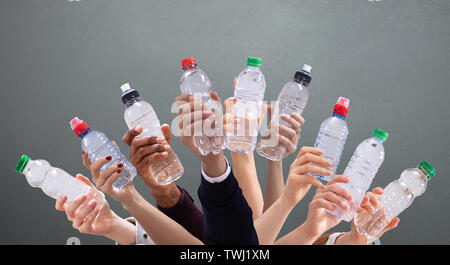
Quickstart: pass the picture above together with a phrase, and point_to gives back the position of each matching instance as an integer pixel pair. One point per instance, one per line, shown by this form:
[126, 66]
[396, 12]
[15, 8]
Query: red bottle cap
[78, 126]
[341, 106]
[189, 61]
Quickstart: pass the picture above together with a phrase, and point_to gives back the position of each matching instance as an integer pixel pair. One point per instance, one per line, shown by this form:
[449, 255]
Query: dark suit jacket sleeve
[228, 219]
[186, 214]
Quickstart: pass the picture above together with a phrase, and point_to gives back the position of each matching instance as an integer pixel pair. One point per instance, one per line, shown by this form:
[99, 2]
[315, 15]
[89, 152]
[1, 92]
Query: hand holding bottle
[327, 199]
[301, 174]
[369, 204]
[89, 219]
[193, 115]
[104, 180]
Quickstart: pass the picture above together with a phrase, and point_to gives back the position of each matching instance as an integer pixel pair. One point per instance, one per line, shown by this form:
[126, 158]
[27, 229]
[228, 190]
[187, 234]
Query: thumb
[84, 180]
[165, 128]
[215, 97]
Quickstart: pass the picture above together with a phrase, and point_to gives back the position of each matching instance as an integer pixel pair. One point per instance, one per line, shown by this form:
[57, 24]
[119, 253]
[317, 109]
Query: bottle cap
[254, 61]
[23, 161]
[187, 62]
[427, 168]
[304, 75]
[128, 93]
[78, 126]
[341, 106]
[380, 134]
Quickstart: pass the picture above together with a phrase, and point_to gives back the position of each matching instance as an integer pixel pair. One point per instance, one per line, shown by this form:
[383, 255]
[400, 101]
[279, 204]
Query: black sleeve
[227, 217]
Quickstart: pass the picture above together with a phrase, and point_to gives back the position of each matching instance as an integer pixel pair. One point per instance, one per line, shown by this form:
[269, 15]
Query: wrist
[214, 165]
[351, 238]
[122, 231]
[308, 233]
[166, 196]
[131, 200]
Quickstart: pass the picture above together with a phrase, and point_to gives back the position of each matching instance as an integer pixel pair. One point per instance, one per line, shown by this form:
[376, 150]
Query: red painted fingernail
[82, 152]
[120, 165]
[119, 171]
[108, 158]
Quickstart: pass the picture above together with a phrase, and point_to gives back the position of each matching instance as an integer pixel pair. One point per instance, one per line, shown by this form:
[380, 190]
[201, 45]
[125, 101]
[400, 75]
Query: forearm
[245, 173]
[275, 183]
[269, 224]
[300, 236]
[160, 228]
[123, 232]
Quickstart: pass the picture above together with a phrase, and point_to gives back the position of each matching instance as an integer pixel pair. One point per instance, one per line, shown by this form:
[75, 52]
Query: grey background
[60, 59]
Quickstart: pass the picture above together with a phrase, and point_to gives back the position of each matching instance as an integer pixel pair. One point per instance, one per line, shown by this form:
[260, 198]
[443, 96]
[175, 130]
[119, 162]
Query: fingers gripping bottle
[97, 145]
[249, 94]
[362, 168]
[293, 98]
[56, 182]
[333, 135]
[397, 196]
[194, 81]
[139, 112]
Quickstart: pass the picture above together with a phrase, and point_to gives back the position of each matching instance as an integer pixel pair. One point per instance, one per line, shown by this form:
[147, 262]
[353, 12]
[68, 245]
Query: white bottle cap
[343, 101]
[125, 87]
[307, 68]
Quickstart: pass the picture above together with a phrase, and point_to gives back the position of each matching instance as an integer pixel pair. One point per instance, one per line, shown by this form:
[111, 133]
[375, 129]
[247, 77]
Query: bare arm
[275, 183]
[161, 229]
[245, 173]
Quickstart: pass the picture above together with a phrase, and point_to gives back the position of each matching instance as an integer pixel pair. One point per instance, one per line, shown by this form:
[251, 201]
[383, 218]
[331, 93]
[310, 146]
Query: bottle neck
[424, 172]
[253, 67]
[132, 101]
[378, 139]
[342, 117]
[84, 133]
[189, 66]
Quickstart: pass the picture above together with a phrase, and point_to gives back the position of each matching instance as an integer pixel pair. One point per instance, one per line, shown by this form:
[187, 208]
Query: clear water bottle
[194, 81]
[56, 182]
[397, 196]
[293, 98]
[362, 168]
[249, 94]
[333, 135]
[97, 145]
[139, 112]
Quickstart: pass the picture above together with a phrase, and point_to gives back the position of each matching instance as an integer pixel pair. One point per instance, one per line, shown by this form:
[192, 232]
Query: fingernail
[190, 97]
[119, 171]
[82, 152]
[120, 165]
[158, 140]
[167, 147]
[108, 158]
[92, 203]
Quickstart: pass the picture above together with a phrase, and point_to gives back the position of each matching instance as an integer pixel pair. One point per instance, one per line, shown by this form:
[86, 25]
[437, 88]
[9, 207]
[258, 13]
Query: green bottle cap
[254, 61]
[427, 168]
[23, 161]
[380, 134]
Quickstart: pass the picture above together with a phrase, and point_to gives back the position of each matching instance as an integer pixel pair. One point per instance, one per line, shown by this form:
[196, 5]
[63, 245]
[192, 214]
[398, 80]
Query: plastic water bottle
[249, 94]
[397, 196]
[139, 112]
[97, 145]
[333, 135]
[194, 81]
[56, 182]
[362, 168]
[293, 98]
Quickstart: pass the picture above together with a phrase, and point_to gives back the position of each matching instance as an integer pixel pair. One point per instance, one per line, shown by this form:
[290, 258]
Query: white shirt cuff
[141, 236]
[219, 178]
[332, 238]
